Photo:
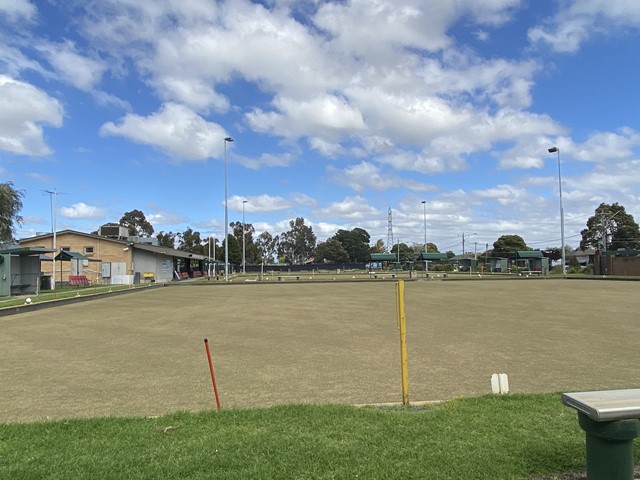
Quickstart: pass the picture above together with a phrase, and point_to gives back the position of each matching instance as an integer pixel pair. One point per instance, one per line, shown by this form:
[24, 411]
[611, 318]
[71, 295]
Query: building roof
[27, 251]
[125, 243]
[432, 256]
[384, 257]
[171, 252]
[66, 256]
[529, 254]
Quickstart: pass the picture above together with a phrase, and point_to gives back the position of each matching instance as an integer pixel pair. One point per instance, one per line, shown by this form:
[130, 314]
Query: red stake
[213, 375]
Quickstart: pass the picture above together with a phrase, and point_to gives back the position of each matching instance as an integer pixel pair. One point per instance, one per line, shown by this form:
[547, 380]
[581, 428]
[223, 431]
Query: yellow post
[402, 326]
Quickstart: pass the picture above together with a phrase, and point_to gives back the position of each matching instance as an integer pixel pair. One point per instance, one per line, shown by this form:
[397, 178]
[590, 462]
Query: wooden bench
[610, 421]
[382, 275]
[282, 278]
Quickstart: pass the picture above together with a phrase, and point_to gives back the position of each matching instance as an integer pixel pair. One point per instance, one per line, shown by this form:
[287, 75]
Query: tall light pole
[557, 150]
[52, 200]
[244, 243]
[424, 213]
[226, 214]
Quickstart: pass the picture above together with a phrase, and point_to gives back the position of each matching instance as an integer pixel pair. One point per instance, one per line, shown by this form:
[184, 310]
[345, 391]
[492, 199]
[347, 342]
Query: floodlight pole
[557, 150]
[53, 194]
[244, 243]
[226, 214]
[424, 212]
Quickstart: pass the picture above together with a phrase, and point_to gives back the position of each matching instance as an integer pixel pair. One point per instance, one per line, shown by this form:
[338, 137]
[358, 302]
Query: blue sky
[340, 110]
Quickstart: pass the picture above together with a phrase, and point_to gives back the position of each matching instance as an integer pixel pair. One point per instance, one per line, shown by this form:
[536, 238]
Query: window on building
[65, 249]
[88, 250]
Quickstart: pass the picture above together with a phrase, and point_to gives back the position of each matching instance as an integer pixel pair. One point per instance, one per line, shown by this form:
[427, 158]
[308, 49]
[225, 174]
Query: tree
[166, 239]
[331, 251]
[378, 247]
[508, 245]
[611, 228]
[355, 242]
[267, 246]
[406, 252]
[235, 250]
[418, 248]
[190, 241]
[137, 224]
[299, 242]
[10, 206]
[252, 252]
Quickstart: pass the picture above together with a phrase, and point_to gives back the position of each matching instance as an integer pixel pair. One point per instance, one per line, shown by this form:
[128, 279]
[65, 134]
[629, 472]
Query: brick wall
[105, 249]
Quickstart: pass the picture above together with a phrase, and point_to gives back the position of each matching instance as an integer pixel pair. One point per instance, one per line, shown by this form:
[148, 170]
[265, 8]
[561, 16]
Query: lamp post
[424, 213]
[557, 150]
[53, 194]
[226, 214]
[244, 242]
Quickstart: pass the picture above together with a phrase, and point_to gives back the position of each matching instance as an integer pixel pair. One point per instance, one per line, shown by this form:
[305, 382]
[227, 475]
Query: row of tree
[610, 228]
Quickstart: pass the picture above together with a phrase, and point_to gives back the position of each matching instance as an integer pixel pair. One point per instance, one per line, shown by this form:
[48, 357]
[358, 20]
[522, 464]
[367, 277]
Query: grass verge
[490, 437]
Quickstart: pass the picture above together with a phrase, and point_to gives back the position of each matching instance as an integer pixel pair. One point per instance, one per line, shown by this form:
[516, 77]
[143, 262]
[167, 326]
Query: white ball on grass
[28, 300]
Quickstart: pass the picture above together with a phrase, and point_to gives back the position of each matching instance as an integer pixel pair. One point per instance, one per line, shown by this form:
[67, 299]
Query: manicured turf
[513, 437]
[143, 353]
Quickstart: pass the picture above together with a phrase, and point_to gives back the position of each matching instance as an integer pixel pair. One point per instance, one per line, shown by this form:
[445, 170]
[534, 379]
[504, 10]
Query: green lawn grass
[509, 437]
[64, 292]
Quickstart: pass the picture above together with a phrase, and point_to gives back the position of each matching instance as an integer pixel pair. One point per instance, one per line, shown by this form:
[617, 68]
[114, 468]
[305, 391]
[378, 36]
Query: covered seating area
[20, 270]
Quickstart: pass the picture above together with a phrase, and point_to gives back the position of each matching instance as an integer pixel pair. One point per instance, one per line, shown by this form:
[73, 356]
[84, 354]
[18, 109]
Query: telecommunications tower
[389, 231]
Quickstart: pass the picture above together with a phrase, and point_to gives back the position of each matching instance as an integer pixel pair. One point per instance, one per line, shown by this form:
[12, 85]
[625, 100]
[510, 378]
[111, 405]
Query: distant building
[117, 259]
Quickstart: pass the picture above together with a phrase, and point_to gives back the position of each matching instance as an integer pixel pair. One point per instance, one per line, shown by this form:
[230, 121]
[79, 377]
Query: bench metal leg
[609, 448]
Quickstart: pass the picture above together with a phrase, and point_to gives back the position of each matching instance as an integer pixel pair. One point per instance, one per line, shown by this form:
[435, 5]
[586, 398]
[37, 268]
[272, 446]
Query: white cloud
[351, 208]
[603, 146]
[265, 160]
[164, 218]
[175, 129]
[260, 203]
[503, 194]
[368, 176]
[24, 109]
[82, 211]
[18, 10]
[72, 67]
[326, 114]
[578, 20]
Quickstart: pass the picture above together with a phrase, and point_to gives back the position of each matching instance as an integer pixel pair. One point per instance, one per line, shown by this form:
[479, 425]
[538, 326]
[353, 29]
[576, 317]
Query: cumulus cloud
[82, 211]
[17, 10]
[265, 160]
[25, 109]
[394, 76]
[579, 20]
[174, 129]
[327, 114]
[368, 176]
[351, 208]
[72, 67]
[260, 203]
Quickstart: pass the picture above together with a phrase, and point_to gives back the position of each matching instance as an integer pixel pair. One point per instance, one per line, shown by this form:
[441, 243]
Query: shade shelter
[77, 263]
[533, 261]
[20, 270]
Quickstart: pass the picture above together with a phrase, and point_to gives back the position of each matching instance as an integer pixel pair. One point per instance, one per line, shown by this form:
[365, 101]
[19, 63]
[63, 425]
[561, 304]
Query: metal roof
[27, 251]
[64, 255]
[529, 254]
[432, 256]
[168, 251]
[384, 257]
